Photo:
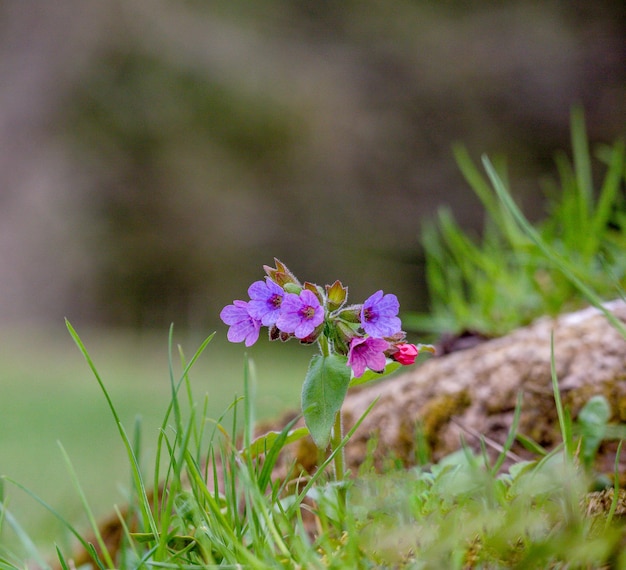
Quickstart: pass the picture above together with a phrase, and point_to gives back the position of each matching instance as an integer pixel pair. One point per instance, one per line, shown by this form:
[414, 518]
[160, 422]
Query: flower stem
[323, 343]
[340, 461]
[335, 442]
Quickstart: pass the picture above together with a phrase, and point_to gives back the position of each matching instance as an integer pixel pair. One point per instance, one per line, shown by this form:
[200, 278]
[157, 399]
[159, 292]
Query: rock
[474, 391]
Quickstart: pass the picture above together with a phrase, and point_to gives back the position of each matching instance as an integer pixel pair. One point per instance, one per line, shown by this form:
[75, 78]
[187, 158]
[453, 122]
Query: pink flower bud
[406, 353]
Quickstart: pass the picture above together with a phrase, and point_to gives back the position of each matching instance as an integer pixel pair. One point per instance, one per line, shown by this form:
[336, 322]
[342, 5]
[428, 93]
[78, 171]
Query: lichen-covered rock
[475, 391]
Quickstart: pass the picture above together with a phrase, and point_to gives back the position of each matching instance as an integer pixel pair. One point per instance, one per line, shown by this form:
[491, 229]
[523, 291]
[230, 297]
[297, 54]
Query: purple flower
[266, 297]
[300, 314]
[367, 352]
[242, 325]
[379, 315]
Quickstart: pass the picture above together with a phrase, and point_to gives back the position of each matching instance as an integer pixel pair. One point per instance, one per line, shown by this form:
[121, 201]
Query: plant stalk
[335, 442]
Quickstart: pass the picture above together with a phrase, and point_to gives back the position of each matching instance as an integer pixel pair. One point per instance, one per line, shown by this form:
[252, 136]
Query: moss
[307, 455]
[615, 393]
[620, 412]
[577, 398]
[437, 412]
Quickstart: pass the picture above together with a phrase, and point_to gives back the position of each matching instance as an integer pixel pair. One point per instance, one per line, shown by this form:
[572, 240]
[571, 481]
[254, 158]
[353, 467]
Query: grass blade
[62, 561]
[51, 510]
[564, 420]
[582, 166]
[608, 193]
[511, 437]
[136, 472]
[249, 394]
[23, 537]
[92, 520]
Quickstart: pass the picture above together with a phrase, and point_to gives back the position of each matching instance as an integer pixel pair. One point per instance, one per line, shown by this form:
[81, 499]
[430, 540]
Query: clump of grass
[505, 280]
[217, 504]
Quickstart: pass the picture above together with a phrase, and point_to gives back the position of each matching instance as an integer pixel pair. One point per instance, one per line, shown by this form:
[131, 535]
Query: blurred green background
[155, 154]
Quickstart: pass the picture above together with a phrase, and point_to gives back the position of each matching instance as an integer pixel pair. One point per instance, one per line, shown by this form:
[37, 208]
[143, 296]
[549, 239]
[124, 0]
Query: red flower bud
[406, 353]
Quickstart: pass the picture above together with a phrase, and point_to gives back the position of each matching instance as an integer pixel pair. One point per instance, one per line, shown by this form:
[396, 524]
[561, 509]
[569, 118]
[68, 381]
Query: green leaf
[592, 420]
[323, 393]
[531, 445]
[265, 442]
[144, 536]
[370, 375]
[273, 447]
[615, 431]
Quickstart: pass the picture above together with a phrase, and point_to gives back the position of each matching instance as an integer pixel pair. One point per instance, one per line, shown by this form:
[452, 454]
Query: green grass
[50, 396]
[506, 278]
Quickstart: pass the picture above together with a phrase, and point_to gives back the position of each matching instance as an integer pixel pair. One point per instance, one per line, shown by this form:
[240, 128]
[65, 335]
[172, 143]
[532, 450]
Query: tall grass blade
[606, 200]
[582, 165]
[271, 456]
[173, 384]
[564, 421]
[136, 471]
[511, 437]
[175, 388]
[51, 510]
[483, 191]
[25, 540]
[91, 549]
[249, 395]
[125, 540]
[83, 499]
[183, 375]
[62, 560]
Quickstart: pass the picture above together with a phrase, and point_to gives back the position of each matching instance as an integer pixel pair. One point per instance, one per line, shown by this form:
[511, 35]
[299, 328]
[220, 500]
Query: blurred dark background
[153, 155]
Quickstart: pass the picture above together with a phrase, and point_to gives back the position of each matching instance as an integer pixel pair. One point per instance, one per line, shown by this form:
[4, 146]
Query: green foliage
[465, 512]
[510, 277]
[593, 420]
[459, 514]
[219, 505]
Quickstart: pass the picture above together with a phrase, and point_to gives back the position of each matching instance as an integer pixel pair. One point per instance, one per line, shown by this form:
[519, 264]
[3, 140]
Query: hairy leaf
[323, 393]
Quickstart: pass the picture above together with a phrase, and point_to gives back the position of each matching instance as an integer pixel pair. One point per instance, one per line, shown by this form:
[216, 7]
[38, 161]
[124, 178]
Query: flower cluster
[367, 334]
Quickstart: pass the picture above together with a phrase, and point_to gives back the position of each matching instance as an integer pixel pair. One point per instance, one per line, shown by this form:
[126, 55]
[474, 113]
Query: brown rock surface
[475, 390]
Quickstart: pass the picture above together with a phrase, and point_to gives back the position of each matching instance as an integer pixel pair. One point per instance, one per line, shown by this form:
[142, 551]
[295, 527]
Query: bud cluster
[367, 334]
